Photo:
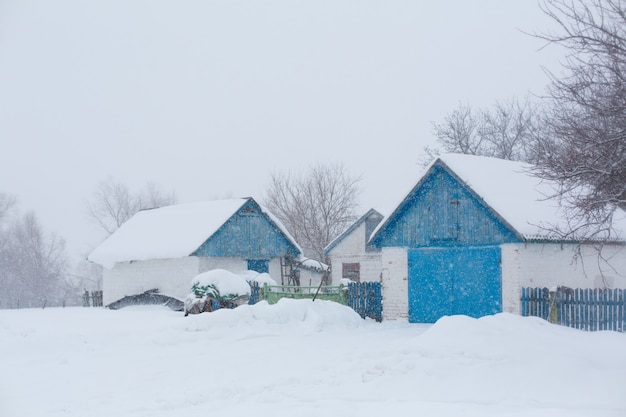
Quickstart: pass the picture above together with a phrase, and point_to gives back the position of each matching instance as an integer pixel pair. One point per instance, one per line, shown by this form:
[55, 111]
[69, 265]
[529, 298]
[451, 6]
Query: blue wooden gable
[250, 234]
[442, 210]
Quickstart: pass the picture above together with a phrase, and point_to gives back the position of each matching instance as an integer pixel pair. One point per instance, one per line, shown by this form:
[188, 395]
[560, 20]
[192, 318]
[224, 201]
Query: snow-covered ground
[301, 358]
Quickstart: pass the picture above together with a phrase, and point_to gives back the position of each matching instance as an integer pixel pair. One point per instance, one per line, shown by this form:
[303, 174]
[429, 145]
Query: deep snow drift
[301, 358]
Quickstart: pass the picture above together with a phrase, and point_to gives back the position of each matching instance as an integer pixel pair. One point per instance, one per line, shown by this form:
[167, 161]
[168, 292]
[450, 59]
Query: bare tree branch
[583, 139]
[113, 203]
[314, 207]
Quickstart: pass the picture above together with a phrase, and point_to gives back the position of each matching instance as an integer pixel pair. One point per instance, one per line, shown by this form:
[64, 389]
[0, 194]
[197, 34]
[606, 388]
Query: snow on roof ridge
[520, 198]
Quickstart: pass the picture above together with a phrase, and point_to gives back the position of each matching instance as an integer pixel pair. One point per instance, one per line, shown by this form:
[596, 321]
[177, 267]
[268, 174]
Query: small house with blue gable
[165, 248]
[473, 231]
[350, 255]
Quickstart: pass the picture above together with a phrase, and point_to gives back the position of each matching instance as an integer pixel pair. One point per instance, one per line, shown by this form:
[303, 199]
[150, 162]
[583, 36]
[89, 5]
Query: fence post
[554, 312]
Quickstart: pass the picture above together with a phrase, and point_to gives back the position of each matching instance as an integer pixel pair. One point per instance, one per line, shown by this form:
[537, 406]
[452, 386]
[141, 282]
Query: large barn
[165, 248]
[473, 231]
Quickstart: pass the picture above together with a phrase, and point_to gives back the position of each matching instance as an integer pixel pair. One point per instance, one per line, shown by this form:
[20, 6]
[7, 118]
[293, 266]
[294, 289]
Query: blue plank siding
[248, 234]
[442, 211]
[452, 238]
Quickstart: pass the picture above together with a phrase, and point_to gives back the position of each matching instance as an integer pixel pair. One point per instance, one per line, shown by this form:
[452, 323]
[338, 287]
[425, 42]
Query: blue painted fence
[366, 299]
[580, 308]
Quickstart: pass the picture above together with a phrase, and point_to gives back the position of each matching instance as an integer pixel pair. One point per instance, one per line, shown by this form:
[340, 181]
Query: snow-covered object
[520, 198]
[345, 281]
[170, 232]
[220, 285]
[225, 282]
[261, 278]
[312, 263]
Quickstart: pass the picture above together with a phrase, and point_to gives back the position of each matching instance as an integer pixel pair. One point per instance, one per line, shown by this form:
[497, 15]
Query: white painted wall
[551, 265]
[351, 249]
[171, 276]
[310, 277]
[395, 283]
[234, 265]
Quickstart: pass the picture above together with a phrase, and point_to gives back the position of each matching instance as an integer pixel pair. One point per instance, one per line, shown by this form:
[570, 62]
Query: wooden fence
[363, 297]
[581, 308]
[92, 300]
[273, 293]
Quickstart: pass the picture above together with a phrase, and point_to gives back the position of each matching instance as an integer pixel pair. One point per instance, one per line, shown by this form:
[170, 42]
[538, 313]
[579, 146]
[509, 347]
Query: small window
[351, 271]
[259, 265]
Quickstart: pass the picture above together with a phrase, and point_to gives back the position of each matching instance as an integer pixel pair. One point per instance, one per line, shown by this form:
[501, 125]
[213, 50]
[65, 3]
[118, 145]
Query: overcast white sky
[208, 98]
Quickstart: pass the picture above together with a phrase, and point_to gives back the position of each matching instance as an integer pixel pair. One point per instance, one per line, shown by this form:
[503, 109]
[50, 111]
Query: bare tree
[505, 132]
[314, 207]
[7, 202]
[33, 266]
[508, 130]
[458, 133]
[583, 140]
[113, 203]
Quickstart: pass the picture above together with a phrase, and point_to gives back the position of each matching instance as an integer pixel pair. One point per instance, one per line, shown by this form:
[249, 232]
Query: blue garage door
[449, 281]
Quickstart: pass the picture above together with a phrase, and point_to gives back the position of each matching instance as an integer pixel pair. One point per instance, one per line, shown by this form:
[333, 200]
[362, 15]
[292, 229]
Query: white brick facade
[553, 264]
[170, 276]
[523, 265]
[351, 249]
[395, 283]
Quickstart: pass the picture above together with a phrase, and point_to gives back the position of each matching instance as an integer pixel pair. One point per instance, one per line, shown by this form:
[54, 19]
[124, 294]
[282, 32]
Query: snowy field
[301, 358]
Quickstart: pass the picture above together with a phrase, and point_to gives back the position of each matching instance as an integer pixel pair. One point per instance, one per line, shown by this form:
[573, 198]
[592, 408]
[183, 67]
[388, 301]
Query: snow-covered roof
[170, 232]
[353, 226]
[520, 198]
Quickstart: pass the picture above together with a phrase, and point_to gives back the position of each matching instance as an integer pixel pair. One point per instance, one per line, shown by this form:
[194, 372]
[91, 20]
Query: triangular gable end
[442, 210]
[371, 214]
[250, 233]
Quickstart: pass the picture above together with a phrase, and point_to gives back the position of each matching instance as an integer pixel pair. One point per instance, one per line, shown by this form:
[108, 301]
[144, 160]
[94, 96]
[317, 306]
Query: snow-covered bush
[221, 287]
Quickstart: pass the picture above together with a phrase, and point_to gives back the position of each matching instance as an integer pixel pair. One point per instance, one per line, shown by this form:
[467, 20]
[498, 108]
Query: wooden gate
[366, 299]
[456, 280]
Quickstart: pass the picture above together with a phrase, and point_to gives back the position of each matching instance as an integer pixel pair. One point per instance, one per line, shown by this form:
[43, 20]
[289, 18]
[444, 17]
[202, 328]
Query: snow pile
[302, 358]
[293, 316]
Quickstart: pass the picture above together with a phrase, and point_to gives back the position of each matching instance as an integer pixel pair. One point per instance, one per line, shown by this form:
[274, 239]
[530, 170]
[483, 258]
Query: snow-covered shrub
[217, 288]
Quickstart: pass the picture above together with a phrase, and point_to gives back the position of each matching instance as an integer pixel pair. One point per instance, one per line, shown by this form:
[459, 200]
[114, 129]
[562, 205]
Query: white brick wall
[351, 249]
[171, 276]
[551, 265]
[395, 283]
